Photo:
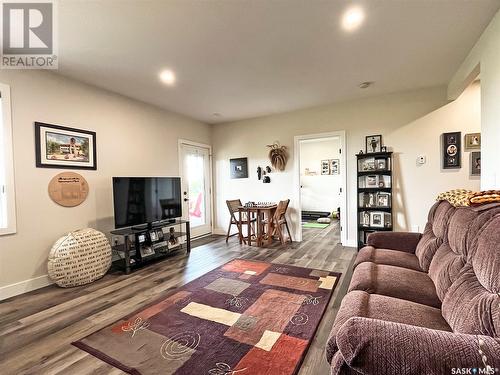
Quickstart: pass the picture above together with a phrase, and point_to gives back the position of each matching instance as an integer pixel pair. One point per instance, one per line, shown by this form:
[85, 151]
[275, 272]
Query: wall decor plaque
[452, 150]
[68, 189]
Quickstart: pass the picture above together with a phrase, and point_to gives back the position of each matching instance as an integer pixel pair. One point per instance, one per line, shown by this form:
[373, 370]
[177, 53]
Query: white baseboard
[219, 231]
[24, 286]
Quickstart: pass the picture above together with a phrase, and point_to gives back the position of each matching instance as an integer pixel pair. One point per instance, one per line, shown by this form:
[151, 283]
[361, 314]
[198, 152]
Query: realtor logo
[28, 35]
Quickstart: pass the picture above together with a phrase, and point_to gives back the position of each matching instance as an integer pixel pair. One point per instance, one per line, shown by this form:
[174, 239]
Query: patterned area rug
[245, 317]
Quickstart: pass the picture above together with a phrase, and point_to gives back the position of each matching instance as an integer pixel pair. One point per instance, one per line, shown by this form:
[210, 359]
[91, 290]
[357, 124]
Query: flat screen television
[146, 200]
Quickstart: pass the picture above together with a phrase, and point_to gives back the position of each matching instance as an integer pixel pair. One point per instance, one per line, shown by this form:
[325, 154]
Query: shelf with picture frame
[374, 194]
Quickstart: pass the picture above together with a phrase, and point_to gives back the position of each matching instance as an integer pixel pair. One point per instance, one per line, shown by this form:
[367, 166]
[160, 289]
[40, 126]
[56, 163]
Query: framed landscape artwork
[66, 148]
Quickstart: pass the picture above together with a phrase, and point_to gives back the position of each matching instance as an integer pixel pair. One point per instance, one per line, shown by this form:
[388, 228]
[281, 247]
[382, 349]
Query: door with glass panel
[196, 191]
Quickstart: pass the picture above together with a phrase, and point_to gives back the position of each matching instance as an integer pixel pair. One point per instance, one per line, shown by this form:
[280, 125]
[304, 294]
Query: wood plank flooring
[36, 328]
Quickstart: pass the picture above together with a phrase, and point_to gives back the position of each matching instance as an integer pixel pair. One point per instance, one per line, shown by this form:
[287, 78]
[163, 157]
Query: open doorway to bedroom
[322, 177]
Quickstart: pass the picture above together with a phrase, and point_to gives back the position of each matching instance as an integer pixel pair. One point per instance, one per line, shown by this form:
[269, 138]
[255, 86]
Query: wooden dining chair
[279, 219]
[233, 206]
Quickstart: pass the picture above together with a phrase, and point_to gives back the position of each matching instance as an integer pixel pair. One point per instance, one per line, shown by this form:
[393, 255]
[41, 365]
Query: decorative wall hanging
[239, 167]
[373, 143]
[259, 173]
[62, 147]
[334, 166]
[278, 156]
[473, 141]
[325, 167]
[68, 189]
[79, 258]
[475, 163]
[452, 150]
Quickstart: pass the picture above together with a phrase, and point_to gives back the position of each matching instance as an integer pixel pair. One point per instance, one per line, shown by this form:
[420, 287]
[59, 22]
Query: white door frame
[187, 142]
[343, 172]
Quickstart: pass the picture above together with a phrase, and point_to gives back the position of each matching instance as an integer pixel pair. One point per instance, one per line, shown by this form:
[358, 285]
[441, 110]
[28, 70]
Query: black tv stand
[150, 243]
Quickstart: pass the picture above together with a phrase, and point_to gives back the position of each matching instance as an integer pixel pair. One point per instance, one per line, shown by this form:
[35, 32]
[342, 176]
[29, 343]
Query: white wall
[411, 124]
[132, 139]
[319, 192]
[484, 58]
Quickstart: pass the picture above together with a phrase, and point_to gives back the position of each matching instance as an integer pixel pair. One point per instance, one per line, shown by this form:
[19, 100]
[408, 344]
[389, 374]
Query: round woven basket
[79, 258]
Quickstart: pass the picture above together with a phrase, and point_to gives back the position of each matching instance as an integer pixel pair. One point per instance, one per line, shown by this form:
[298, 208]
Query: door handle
[186, 199]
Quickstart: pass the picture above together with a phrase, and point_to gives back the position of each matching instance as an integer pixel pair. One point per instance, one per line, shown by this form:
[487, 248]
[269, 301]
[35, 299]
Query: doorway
[196, 180]
[320, 169]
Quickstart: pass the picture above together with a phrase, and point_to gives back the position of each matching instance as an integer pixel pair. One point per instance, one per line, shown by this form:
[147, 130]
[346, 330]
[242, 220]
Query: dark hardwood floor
[36, 328]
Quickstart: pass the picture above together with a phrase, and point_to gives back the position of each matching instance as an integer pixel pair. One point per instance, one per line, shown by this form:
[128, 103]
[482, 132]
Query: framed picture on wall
[238, 168]
[334, 166]
[66, 148]
[452, 151]
[473, 141]
[325, 167]
[475, 163]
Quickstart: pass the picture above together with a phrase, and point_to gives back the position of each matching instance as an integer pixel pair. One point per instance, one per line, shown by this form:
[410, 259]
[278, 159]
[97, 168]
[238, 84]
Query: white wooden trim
[182, 141]
[9, 161]
[25, 286]
[343, 172]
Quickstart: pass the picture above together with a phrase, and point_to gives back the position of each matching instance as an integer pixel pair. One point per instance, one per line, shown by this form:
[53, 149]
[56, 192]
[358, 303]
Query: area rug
[245, 317]
[315, 225]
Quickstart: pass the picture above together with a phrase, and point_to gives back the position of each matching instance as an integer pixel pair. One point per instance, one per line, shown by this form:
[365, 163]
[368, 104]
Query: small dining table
[261, 212]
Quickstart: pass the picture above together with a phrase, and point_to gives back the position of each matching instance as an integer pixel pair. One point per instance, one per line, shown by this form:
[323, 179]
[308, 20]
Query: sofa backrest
[435, 232]
[472, 302]
[461, 234]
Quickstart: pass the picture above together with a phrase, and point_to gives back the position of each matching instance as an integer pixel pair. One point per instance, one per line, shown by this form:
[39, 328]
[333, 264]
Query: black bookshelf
[374, 194]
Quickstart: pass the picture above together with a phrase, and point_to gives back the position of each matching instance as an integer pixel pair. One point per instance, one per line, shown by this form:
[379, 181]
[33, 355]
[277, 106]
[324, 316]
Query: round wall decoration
[68, 189]
[79, 258]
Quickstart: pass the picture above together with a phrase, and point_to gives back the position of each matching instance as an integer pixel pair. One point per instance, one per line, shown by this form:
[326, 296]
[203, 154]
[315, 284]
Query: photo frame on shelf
[473, 141]
[368, 165]
[381, 164]
[371, 181]
[383, 200]
[373, 144]
[365, 218]
[377, 219]
[452, 151]
[475, 163]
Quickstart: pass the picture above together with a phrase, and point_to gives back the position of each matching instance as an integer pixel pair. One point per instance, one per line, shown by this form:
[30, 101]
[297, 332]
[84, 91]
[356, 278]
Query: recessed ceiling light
[353, 18]
[365, 85]
[216, 114]
[167, 77]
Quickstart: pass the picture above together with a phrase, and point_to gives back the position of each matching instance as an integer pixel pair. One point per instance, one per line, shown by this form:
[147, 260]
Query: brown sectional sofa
[424, 303]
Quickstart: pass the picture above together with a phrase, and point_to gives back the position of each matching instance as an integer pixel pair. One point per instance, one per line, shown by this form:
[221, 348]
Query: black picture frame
[452, 150]
[238, 168]
[373, 144]
[43, 161]
[475, 163]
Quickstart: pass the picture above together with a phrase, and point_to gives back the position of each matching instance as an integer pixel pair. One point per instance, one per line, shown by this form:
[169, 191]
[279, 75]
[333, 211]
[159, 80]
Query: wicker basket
[79, 258]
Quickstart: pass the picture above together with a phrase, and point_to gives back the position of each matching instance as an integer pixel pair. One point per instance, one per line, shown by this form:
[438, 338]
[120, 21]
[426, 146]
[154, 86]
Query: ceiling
[250, 58]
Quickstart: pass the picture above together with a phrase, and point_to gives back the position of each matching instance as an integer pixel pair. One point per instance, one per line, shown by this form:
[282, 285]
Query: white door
[196, 191]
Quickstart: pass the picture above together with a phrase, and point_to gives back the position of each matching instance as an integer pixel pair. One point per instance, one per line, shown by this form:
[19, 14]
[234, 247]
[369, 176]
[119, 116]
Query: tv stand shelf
[150, 243]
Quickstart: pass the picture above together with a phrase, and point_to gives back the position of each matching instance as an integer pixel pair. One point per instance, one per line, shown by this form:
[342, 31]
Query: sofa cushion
[472, 304]
[389, 257]
[395, 282]
[363, 304]
[435, 233]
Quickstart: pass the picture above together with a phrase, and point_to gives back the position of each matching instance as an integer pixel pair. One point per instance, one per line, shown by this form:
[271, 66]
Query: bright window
[7, 195]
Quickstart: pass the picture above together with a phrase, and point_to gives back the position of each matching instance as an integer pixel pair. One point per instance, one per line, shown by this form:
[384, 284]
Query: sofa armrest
[402, 241]
[371, 346]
